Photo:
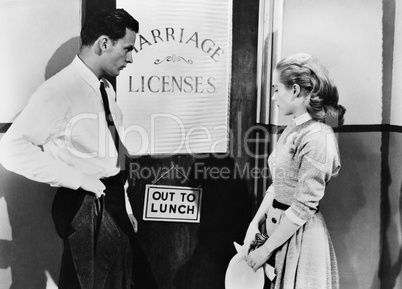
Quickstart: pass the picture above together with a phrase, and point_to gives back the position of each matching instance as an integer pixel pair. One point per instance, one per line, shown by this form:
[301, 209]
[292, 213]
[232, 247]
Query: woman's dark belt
[284, 207]
[279, 205]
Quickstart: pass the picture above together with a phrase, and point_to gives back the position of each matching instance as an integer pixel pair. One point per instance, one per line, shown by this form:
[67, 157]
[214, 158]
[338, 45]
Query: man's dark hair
[112, 23]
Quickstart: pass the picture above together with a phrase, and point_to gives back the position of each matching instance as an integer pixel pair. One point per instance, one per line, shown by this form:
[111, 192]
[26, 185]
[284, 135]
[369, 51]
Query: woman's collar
[302, 118]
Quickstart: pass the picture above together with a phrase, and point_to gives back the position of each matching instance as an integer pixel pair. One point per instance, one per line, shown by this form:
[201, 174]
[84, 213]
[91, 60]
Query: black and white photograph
[201, 144]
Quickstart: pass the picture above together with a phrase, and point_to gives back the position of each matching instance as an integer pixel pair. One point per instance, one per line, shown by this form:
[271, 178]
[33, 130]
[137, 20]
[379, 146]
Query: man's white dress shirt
[62, 133]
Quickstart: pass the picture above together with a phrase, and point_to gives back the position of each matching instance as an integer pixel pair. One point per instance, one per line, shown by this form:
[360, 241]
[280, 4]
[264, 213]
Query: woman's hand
[249, 238]
[258, 257]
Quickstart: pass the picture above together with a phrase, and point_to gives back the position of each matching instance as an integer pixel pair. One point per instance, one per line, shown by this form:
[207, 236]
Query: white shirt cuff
[71, 179]
[295, 219]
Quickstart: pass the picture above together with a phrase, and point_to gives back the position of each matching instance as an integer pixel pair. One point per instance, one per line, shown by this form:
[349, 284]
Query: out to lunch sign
[175, 95]
[172, 204]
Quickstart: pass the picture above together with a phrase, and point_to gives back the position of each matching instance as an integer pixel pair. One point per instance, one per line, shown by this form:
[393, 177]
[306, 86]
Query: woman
[304, 161]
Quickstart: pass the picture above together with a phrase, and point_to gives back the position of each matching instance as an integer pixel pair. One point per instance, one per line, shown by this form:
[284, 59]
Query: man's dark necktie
[122, 153]
[121, 149]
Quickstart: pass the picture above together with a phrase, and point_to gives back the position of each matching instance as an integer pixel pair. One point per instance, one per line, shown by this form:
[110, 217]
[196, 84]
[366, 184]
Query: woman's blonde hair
[321, 95]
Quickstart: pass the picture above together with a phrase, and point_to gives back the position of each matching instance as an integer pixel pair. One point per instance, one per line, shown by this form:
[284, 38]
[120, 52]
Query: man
[62, 138]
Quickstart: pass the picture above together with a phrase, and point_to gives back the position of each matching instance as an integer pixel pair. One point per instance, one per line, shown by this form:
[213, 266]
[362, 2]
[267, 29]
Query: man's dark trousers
[101, 249]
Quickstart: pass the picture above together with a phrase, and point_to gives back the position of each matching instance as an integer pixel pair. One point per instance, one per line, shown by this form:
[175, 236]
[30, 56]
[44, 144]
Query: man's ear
[104, 43]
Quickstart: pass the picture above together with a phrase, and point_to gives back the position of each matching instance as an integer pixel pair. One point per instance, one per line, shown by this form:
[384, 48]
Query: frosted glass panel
[175, 95]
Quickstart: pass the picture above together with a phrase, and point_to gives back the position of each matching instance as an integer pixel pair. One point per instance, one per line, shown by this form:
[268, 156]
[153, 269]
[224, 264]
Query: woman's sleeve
[319, 161]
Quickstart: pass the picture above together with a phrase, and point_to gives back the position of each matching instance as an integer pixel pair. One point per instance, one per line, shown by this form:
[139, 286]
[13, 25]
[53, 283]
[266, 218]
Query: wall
[354, 40]
[396, 116]
[392, 248]
[41, 38]
[346, 36]
[34, 30]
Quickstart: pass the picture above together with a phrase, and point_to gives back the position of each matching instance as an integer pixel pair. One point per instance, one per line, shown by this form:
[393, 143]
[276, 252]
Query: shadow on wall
[343, 199]
[391, 265]
[35, 248]
[63, 56]
[34, 252]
